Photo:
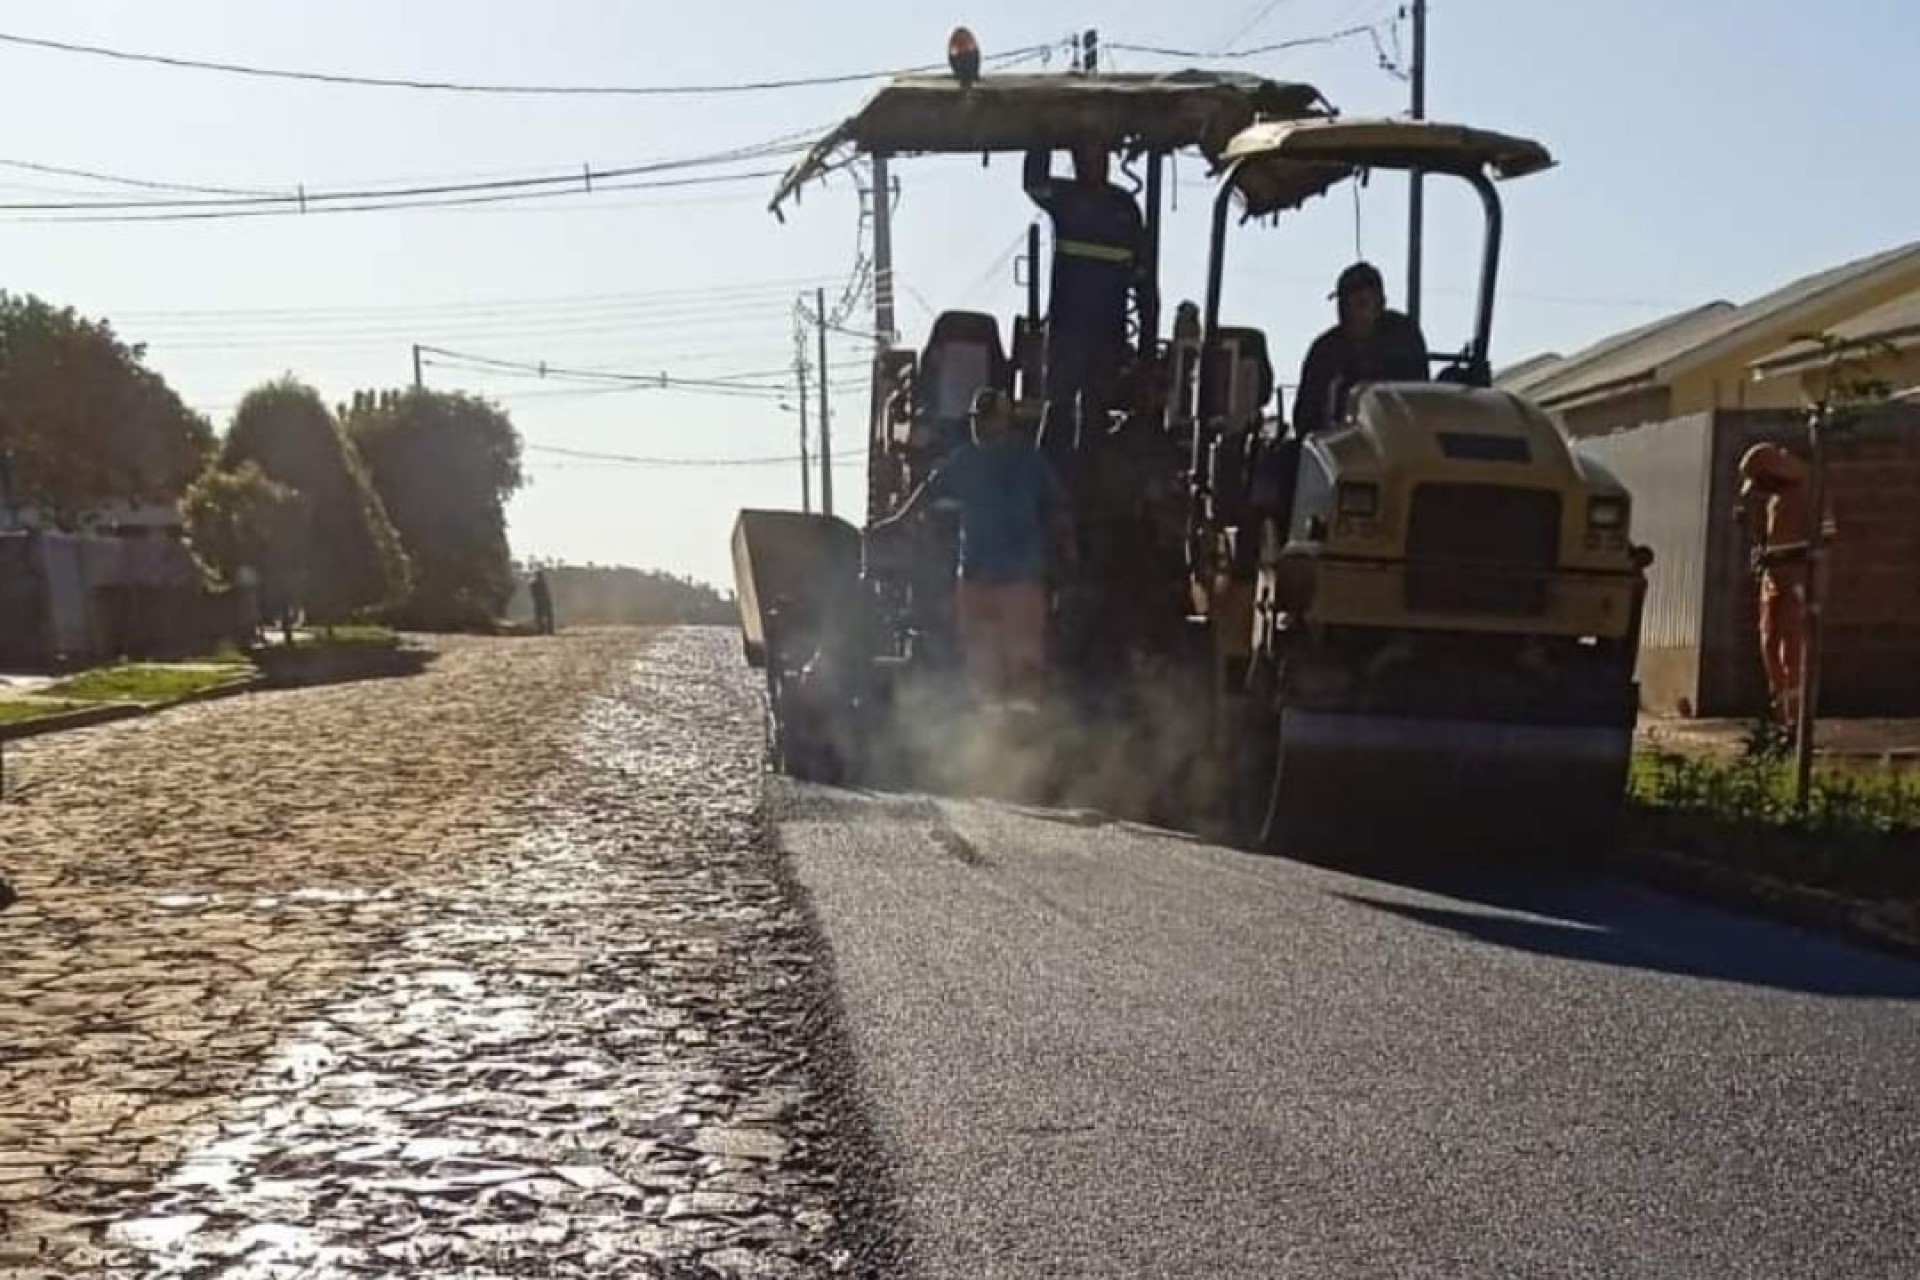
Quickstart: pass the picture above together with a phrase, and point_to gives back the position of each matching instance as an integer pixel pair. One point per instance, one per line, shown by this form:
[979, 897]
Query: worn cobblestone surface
[485, 972]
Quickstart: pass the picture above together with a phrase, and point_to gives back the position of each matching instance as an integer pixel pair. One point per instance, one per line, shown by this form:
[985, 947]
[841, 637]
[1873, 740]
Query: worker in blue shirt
[1012, 515]
[1097, 236]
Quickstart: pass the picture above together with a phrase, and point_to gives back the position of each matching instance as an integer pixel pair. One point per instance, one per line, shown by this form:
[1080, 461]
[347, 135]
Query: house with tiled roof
[1720, 355]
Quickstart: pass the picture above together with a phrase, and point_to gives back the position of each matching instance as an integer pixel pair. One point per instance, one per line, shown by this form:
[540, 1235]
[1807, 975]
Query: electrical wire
[1249, 27]
[29, 166]
[458, 359]
[632, 460]
[455, 86]
[569, 302]
[1279, 46]
[584, 179]
[381, 206]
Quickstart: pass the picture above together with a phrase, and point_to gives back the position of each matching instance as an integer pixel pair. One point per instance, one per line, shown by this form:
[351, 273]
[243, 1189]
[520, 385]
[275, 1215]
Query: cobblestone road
[486, 972]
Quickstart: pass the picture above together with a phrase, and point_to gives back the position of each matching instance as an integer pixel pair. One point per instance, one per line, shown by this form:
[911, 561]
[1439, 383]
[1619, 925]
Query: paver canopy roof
[934, 114]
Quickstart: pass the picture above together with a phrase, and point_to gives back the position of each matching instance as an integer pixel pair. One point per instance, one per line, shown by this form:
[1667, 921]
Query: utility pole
[800, 371]
[883, 194]
[418, 381]
[826, 417]
[1812, 613]
[1416, 201]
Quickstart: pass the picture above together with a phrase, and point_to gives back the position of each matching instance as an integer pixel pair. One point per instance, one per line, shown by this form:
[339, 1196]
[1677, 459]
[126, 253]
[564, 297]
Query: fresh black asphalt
[1097, 1050]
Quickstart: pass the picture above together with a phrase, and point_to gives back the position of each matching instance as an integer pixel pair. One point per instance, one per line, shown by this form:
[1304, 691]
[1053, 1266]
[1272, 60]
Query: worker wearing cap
[1774, 499]
[1097, 236]
[1012, 509]
[1369, 344]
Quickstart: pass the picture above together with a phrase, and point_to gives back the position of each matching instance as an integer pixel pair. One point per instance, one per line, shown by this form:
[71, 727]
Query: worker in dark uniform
[1369, 344]
[1097, 236]
[542, 591]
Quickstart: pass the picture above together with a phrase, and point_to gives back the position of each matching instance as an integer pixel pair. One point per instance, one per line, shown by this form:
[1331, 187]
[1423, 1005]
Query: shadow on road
[1587, 916]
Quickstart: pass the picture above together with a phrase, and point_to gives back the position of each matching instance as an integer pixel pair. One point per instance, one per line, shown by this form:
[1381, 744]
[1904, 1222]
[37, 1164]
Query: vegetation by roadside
[144, 682]
[356, 636]
[317, 656]
[110, 692]
[21, 710]
[1855, 846]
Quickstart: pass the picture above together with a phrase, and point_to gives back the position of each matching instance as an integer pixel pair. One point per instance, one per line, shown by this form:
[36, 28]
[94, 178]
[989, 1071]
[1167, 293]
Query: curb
[1893, 928]
[59, 721]
[108, 712]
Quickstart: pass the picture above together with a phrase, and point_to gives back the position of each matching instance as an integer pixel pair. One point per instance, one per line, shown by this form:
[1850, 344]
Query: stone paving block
[483, 972]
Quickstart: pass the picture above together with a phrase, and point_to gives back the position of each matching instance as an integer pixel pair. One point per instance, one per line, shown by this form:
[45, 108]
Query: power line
[325, 330]
[383, 206]
[1280, 46]
[561, 301]
[583, 178]
[1251, 25]
[631, 460]
[455, 86]
[662, 380]
[91, 175]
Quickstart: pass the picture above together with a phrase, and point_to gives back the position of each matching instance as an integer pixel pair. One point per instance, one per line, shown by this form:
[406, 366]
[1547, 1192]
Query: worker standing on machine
[1775, 481]
[1011, 507]
[1097, 237]
[1370, 344]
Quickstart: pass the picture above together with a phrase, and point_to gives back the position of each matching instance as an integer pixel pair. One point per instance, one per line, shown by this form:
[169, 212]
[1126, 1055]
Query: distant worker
[1011, 508]
[1369, 344]
[1778, 510]
[542, 592]
[1097, 237]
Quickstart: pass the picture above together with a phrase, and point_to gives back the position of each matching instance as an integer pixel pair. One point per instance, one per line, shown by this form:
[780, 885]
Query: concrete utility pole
[883, 195]
[1417, 195]
[826, 413]
[800, 371]
[417, 380]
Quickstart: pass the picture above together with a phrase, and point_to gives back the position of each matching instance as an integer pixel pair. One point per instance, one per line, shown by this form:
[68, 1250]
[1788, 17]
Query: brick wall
[1873, 619]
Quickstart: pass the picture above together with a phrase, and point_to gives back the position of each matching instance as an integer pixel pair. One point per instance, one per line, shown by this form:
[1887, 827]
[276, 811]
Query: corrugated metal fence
[1700, 652]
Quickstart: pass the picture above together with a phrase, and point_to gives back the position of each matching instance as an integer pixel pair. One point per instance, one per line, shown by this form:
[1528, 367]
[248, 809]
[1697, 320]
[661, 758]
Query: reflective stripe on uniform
[1097, 252]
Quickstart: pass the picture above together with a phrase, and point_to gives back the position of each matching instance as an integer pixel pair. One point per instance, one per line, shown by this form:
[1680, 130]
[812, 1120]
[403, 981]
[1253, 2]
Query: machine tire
[1255, 747]
[1291, 823]
[1308, 815]
[799, 751]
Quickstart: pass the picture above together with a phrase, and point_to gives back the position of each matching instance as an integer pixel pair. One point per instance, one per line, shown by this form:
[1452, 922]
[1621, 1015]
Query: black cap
[1361, 275]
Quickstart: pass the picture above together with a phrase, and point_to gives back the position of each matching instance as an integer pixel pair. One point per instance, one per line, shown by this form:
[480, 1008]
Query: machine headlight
[1360, 501]
[1607, 515]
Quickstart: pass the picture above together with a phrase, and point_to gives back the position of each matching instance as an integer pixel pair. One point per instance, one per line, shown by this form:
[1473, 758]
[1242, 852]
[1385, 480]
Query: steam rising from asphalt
[1138, 753]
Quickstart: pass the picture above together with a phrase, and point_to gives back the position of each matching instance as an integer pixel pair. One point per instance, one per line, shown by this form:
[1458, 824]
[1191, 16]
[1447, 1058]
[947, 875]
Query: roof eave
[1585, 396]
[1804, 358]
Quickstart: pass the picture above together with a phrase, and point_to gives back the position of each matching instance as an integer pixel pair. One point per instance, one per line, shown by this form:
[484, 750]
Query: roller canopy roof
[935, 114]
[1280, 165]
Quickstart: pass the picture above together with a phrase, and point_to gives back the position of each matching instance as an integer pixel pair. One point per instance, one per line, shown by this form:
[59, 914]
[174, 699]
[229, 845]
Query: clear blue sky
[1709, 148]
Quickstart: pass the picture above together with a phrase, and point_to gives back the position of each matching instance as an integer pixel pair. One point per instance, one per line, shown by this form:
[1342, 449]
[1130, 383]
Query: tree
[445, 465]
[354, 561]
[84, 421]
[242, 518]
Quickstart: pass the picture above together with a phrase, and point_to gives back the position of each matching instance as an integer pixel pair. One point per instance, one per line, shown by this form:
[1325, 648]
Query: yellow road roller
[1428, 612]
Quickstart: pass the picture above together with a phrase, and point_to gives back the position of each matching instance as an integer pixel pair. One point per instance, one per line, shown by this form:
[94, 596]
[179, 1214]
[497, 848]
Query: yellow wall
[1649, 404]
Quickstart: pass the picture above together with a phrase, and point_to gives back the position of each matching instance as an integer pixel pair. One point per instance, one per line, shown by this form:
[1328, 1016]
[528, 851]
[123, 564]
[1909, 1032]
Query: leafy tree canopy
[83, 421]
[444, 465]
[354, 558]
